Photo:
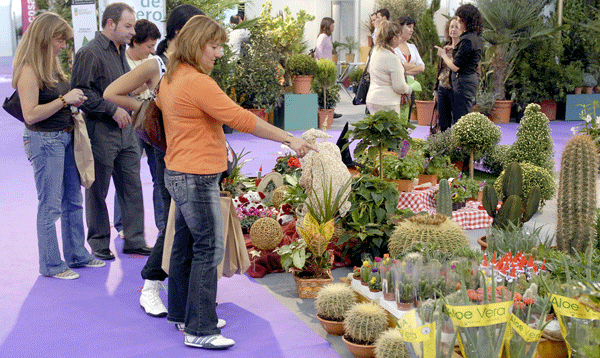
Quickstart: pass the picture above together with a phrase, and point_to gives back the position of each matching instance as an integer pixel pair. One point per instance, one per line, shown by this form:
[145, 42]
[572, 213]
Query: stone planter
[301, 84]
[310, 287]
[335, 328]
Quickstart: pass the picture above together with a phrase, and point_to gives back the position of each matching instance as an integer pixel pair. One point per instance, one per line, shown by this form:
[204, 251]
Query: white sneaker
[220, 324]
[150, 300]
[122, 234]
[95, 263]
[214, 341]
[67, 274]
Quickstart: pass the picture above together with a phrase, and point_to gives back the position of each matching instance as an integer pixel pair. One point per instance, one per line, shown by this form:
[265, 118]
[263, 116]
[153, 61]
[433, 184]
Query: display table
[472, 216]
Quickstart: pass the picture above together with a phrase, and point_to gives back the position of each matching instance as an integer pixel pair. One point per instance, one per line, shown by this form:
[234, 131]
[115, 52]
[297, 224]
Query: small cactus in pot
[332, 302]
[375, 280]
[391, 345]
[364, 322]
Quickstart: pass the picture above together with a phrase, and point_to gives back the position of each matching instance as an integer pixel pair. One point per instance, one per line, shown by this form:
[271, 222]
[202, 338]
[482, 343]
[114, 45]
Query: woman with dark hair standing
[443, 88]
[149, 73]
[324, 47]
[465, 60]
[408, 53]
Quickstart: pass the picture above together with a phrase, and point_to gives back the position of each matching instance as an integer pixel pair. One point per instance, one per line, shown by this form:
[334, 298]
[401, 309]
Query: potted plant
[354, 77]
[332, 303]
[485, 103]
[375, 280]
[257, 78]
[351, 45]
[379, 132]
[405, 296]
[335, 54]
[325, 77]
[424, 103]
[302, 68]
[403, 171]
[475, 133]
[363, 323]
[365, 272]
[589, 82]
[284, 30]
[326, 111]
[391, 344]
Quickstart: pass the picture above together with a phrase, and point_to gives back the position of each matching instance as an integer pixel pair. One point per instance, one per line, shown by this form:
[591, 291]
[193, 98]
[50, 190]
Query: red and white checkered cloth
[472, 216]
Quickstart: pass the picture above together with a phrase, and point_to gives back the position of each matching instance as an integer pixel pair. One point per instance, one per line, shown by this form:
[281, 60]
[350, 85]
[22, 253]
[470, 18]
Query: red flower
[294, 162]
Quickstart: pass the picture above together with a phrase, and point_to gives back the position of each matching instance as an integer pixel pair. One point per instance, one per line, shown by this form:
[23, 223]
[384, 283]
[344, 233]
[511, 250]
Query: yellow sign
[424, 334]
[527, 333]
[565, 306]
[479, 315]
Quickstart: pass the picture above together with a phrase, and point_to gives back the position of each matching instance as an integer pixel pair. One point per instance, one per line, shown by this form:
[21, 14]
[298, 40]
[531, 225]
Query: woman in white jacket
[386, 71]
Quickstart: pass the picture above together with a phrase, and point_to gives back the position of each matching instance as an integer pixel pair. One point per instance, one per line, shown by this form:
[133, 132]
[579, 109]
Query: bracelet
[63, 100]
[287, 141]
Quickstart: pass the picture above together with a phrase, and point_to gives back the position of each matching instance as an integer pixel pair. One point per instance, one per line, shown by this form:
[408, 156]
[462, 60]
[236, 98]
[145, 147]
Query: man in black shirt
[116, 153]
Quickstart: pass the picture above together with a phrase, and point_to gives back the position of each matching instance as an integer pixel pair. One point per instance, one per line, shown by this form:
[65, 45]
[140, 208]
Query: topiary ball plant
[436, 228]
[534, 143]
[334, 300]
[266, 234]
[364, 322]
[532, 176]
[475, 132]
[279, 195]
[301, 65]
[391, 345]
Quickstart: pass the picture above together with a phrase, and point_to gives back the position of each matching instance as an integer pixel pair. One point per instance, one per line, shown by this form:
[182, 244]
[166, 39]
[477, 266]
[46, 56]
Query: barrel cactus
[436, 228]
[515, 208]
[333, 300]
[266, 234]
[391, 345]
[444, 199]
[576, 201]
[364, 322]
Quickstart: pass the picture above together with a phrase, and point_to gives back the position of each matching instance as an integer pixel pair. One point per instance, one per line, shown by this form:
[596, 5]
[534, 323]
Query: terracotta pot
[356, 277]
[364, 283]
[390, 296]
[578, 90]
[501, 112]
[310, 287]
[551, 349]
[301, 84]
[404, 185]
[359, 350]
[335, 58]
[334, 328]
[549, 109]
[262, 114]
[482, 241]
[349, 57]
[405, 306]
[428, 178]
[374, 290]
[424, 112]
[589, 90]
[325, 118]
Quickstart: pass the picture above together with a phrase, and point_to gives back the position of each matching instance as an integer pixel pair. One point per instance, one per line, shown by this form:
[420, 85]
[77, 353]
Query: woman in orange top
[194, 108]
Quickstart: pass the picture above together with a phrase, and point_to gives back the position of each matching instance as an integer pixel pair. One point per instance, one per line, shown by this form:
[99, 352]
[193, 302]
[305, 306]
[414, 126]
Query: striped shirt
[96, 65]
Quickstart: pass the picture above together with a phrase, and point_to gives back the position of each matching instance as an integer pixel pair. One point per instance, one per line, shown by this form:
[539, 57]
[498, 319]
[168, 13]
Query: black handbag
[12, 105]
[363, 86]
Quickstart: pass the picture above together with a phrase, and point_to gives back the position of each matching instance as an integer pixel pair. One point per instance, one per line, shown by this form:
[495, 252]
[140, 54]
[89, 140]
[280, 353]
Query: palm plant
[510, 27]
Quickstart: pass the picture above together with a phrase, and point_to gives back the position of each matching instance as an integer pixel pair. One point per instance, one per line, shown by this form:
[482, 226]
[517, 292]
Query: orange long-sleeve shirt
[194, 107]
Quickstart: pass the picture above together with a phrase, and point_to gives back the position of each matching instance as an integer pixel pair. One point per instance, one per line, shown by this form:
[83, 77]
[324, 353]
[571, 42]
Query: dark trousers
[444, 103]
[465, 91]
[153, 268]
[117, 155]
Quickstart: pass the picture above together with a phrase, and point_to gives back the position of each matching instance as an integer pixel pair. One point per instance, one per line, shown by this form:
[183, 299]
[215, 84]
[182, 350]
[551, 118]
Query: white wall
[8, 37]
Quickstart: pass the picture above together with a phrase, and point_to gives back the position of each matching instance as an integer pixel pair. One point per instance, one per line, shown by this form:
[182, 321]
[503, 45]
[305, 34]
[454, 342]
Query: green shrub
[532, 176]
[326, 73]
[301, 65]
[441, 144]
[495, 159]
[332, 92]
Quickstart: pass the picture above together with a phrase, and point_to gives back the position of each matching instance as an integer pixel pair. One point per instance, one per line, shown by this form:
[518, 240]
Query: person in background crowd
[372, 20]
[141, 48]
[408, 53]
[443, 88]
[386, 70]
[324, 47]
[45, 97]
[116, 154]
[464, 63]
[194, 108]
[238, 38]
[380, 15]
[150, 72]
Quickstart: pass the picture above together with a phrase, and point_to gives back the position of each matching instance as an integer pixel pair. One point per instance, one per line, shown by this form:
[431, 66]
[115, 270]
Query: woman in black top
[465, 60]
[45, 96]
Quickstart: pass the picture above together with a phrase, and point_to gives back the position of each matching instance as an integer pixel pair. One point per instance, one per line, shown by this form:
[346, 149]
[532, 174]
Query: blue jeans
[156, 196]
[197, 251]
[59, 196]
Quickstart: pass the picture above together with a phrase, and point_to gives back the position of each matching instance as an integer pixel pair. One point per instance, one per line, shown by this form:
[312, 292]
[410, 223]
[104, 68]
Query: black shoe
[104, 254]
[336, 115]
[144, 251]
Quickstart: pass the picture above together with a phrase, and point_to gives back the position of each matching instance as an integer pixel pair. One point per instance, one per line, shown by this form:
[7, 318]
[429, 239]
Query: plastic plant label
[527, 333]
[480, 315]
[569, 309]
[422, 340]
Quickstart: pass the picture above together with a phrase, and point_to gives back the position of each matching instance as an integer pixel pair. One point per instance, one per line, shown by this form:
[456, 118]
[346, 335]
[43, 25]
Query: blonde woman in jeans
[387, 73]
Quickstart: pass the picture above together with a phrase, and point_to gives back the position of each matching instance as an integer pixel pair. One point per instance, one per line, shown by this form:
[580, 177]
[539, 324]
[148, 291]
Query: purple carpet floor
[98, 315]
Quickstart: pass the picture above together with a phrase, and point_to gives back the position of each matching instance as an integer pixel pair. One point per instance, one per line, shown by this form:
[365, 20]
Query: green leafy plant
[332, 95]
[408, 167]
[485, 102]
[378, 132]
[516, 239]
[300, 64]
[328, 208]
[476, 133]
[285, 31]
[355, 76]
[590, 114]
[325, 77]
[351, 44]
[495, 159]
[441, 143]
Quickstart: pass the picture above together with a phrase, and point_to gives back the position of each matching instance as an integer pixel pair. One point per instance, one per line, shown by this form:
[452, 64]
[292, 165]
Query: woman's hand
[440, 51]
[301, 147]
[75, 97]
